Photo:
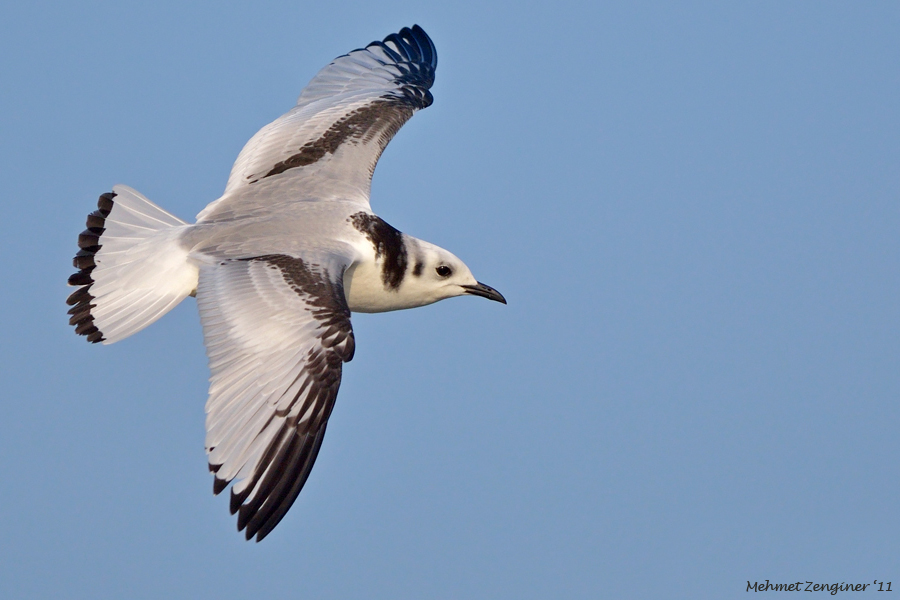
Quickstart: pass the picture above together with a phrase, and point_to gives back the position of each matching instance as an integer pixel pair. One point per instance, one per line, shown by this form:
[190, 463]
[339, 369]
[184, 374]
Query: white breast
[366, 292]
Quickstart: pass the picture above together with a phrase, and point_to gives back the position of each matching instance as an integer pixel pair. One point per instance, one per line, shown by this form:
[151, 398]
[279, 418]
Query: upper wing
[277, 330]
[329, 143]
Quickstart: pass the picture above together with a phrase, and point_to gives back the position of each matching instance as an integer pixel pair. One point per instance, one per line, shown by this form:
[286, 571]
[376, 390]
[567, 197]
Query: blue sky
[692, 210]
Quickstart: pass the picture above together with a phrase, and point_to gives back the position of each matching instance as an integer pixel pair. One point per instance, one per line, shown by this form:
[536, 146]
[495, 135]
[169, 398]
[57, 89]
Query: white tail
[133, 269]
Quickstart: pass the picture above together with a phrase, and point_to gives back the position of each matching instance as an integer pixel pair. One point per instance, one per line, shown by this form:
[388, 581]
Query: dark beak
[485, 291]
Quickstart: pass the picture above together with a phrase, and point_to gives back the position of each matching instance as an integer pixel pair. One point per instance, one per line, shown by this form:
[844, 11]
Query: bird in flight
[278, 264]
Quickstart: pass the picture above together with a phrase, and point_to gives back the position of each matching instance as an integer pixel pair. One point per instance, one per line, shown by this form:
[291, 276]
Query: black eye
[444, 271]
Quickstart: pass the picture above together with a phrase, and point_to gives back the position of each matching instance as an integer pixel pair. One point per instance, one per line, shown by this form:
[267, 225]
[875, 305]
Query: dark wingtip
[414, 47]
[426, 46]
[219, 485]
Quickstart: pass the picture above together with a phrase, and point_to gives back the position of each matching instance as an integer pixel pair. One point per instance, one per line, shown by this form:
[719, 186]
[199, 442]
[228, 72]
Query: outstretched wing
[328, 144]
[277, 330]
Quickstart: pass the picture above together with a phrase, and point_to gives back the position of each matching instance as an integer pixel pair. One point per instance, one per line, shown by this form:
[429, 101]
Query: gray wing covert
[277, 331]
[329, 143]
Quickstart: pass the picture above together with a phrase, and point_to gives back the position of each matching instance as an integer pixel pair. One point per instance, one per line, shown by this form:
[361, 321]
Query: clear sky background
[692, 210]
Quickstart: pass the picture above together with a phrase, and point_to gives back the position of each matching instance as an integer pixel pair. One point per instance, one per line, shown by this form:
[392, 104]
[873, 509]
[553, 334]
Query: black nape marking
[389, 246]
[89, 244]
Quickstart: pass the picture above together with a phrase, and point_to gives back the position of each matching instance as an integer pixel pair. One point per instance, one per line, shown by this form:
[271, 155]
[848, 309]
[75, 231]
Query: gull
[277, 264]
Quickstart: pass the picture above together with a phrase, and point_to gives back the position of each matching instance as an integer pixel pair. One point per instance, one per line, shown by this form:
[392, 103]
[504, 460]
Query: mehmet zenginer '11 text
[811, 586]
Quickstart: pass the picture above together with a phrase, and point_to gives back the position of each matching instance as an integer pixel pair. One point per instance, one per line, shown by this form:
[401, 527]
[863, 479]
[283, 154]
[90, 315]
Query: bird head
[435, 274]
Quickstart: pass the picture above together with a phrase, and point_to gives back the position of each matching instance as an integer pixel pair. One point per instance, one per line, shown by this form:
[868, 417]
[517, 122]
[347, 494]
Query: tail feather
[132, 269]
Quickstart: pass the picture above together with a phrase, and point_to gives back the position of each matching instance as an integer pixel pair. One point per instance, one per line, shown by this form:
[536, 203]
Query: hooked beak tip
[485, 291]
